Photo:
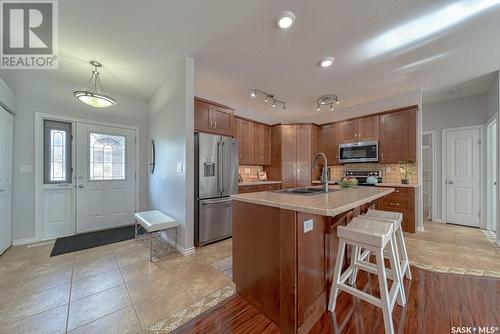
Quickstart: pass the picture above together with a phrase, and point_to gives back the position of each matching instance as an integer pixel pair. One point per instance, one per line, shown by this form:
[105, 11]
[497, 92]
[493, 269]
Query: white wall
[37, 92]
[472, 110]
[171, 125]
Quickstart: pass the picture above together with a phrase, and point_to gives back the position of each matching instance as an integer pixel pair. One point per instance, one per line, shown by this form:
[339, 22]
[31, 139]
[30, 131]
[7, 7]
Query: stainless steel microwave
[359, 152]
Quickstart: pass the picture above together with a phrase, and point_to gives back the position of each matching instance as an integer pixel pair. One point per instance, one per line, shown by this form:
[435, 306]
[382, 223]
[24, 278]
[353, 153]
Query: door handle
[215, 124]
[81, 186]
[451, 182]
[2, 190]
[223, 167]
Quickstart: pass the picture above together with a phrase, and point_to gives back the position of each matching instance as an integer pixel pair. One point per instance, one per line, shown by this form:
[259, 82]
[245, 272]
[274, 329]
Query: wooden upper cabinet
[243, 136]
[398, 136]
[368, 129]
[202, 116]
[222, 120]
[254, 142]
[212, 118]
[329, 142]
[360, 129]
[349, 131]
[267, 146]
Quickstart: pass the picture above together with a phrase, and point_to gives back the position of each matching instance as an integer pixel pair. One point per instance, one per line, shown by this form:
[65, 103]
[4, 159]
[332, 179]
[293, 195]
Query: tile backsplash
[250, 173]
[390, 172]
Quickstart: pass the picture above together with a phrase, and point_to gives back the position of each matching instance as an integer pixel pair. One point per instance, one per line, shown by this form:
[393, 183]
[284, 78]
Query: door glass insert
[107, 157]
[57, 152]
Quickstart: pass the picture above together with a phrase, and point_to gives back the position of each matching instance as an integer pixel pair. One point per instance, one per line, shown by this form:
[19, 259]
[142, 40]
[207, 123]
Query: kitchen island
[284, 248]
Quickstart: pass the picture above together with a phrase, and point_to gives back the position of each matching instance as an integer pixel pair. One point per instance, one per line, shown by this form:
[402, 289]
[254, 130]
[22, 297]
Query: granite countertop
[330, 204]
[256, 183]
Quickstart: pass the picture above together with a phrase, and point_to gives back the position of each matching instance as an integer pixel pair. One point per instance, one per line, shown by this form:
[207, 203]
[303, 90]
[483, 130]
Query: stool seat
[365, 231]
[155, 220]
[393, 217]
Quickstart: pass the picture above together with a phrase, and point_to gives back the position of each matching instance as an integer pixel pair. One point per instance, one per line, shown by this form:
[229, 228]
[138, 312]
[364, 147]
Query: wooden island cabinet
[280, 267]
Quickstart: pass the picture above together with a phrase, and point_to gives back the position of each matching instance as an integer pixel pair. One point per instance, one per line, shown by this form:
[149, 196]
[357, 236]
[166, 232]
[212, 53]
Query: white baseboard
[182, 250]
[25, 241]
[420, 228]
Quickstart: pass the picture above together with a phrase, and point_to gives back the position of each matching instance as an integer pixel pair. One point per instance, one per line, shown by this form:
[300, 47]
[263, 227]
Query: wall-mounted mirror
[152, 156]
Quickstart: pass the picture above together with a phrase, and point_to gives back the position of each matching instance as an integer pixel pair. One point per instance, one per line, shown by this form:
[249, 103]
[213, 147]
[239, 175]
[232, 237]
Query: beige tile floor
[108, 289]
[452, 248]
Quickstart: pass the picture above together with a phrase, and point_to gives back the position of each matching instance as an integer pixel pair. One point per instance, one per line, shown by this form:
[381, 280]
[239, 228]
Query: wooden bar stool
[373, 236]
[395, 218]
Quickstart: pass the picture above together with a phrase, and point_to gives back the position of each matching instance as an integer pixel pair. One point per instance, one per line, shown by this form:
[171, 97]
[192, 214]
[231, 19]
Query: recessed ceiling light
[455, 91]
[327, 62]
[285, 20]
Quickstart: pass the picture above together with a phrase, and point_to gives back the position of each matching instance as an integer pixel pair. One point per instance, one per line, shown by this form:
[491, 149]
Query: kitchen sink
[305, 191]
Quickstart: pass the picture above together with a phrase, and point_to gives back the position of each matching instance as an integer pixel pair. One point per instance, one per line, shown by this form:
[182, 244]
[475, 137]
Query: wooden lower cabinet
[283, 272]
[258, 187]
[401, 200]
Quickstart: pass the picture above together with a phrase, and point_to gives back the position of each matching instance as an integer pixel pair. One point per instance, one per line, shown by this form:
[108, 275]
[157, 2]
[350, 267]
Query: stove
[362, 175]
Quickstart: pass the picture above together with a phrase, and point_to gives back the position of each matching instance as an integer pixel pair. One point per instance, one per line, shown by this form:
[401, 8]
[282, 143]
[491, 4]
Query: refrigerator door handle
[224, 201]
[218, 167]
[223, 175]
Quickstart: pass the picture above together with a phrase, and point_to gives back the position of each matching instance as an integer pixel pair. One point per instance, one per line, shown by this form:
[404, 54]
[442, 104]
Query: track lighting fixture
[327, 100]
[268, 98]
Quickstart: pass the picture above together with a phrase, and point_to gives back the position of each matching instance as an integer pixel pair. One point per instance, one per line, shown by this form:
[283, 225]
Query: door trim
[490, 176]
[434, 201]
[482, 181]
[38, 167]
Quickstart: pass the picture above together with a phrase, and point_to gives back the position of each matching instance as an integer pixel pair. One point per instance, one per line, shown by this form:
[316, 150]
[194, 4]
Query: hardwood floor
[436, 302]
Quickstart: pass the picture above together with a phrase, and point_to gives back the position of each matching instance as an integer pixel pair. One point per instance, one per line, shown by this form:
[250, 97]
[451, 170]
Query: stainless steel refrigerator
[216, 161]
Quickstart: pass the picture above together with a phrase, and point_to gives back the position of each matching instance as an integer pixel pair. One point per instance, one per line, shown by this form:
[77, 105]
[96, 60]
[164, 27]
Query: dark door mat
[93, 239]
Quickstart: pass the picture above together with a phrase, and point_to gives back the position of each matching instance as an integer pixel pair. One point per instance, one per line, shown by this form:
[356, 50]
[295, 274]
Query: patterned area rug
[179, 318]
[456, 270]
[491, 236]
[225, 266]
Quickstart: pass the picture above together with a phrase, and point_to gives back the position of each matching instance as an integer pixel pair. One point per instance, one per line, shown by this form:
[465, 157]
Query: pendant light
[92, 94]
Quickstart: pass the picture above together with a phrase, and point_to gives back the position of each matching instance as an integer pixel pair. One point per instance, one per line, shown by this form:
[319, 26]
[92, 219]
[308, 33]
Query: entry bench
[154, 222]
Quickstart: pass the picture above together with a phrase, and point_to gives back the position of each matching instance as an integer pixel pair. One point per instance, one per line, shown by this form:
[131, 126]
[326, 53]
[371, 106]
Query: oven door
[359, 152]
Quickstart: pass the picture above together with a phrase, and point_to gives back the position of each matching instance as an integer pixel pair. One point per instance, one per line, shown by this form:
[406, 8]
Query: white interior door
[106, 172]
[6, 135]
[463, 177]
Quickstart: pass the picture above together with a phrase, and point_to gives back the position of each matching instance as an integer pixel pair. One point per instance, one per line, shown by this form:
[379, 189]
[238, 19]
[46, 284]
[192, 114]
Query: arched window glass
[107, 157]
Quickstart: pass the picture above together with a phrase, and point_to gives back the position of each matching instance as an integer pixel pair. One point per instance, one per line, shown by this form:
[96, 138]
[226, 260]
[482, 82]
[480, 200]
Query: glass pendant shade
[92, 94]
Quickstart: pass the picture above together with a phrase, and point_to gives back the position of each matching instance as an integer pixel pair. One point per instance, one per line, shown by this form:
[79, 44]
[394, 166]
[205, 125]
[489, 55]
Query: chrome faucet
[324, 174]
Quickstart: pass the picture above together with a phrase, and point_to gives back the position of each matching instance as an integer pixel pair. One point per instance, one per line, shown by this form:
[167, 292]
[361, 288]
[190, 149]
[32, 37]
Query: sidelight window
[107, 157]
[57, 152]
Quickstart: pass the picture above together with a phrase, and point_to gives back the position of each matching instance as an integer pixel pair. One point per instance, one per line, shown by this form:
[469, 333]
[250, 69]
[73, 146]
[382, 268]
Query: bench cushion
[155, 220]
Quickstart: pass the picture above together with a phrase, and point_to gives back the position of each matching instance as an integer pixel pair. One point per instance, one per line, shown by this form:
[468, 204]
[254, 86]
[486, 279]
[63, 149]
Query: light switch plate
[25, 169]
[308, 225]
[180, 168]
[387, 169]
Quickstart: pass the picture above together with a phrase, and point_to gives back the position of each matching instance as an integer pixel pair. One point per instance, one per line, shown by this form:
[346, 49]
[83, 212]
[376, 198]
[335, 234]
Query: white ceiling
[382, 48]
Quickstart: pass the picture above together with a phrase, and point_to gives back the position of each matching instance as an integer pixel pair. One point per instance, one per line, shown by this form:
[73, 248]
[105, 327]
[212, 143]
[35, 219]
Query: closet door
[6, 135]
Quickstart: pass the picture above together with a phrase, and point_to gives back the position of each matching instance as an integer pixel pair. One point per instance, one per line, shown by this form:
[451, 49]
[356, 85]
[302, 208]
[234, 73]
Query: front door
[105, 177]
[463, 177]
[6, 132]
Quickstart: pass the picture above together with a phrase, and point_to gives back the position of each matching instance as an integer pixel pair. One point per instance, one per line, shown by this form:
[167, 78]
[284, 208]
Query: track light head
[253, 94]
